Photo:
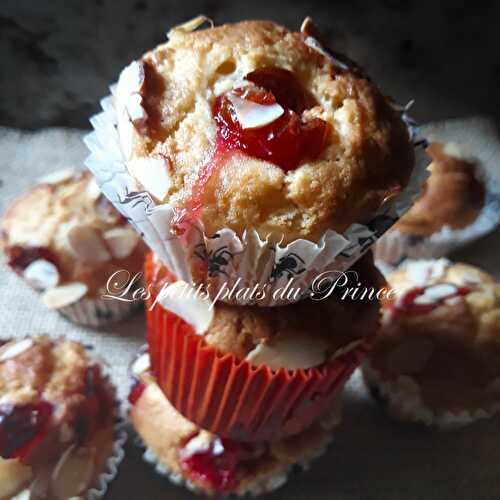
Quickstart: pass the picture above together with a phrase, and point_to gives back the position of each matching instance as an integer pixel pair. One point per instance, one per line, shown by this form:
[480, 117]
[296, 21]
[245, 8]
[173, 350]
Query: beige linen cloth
[371, 457]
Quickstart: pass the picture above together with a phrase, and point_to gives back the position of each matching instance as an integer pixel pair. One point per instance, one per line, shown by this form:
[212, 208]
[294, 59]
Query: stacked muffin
[259, 166]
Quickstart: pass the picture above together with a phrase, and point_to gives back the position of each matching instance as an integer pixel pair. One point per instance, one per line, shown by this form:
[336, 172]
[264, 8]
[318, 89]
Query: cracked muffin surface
[249, 125]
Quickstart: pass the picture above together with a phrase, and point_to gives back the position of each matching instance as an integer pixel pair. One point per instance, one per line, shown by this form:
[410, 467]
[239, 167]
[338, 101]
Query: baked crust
[165, 432]
[452, 196]
[44, 217]
[452, 352]
[368, 156]
[38, 371]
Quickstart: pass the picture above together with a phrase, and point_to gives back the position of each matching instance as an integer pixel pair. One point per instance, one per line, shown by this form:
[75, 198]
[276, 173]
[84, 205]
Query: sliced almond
[132, 79]
[64, 295]
[24, 495]
[93, 190]
[121, 241]
[14, 349]
[290, 353]
[141, 364]
[198, 444]
[253, 115]
[423, 272]
[14, 477]
[435, 293]
[73, 473]
[191, 25]
[179, 298]
[135, 110]
[347, 348]
[42, 274]
[86, 244]
[129, 95]
[410, 356]
[59, 176]
[153, 174]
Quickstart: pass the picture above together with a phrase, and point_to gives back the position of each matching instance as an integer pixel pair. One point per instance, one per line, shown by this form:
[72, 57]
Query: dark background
[58, 57]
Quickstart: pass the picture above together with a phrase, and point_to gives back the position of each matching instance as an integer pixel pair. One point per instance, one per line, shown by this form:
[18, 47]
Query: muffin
[247, 145]
[437, 357]
[65, 239]
[56, 420]
[251, 127]
[255, 373]
[207, 463]
[452, 196]
[460, 201]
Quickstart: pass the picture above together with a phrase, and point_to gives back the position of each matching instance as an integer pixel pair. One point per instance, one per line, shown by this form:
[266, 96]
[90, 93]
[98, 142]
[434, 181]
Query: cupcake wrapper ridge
[118, 453]
[247, 260]
[98, 312]
[407, 406]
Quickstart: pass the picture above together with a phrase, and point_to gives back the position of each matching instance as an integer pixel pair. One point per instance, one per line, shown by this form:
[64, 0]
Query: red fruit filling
[407, 303]
[19, 258]
[136, 392]
[287, 142]
[22, 427]
[218, 466]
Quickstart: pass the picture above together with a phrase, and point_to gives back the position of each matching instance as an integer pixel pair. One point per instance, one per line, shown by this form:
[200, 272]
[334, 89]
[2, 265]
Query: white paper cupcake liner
[260, 486]
[236, 263]
[118, 453]
[404, 403]
[476, 138]
[98, 312]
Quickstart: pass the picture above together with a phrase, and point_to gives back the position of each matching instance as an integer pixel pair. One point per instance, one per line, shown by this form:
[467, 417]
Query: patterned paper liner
[232, 398]
[263, 485]
[404, 402]
[230, 262]
[395, 246]
[98, 312]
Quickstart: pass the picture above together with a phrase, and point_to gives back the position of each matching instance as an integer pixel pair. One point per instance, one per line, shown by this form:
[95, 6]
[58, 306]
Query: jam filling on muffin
[287, 138]
[423, 300]
[136, 391]
[22, 426]
[217, 465]
[19, 257]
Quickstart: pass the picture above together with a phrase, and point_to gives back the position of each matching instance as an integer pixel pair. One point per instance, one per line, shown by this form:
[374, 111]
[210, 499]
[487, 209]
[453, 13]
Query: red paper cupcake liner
[231, 397]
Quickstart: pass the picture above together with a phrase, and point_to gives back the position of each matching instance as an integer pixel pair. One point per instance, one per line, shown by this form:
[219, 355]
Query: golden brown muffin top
[452, 196]
[166, 101]
[64, 231]
[174, 440]
[443, 330]
[56, 412]
[300, 335]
